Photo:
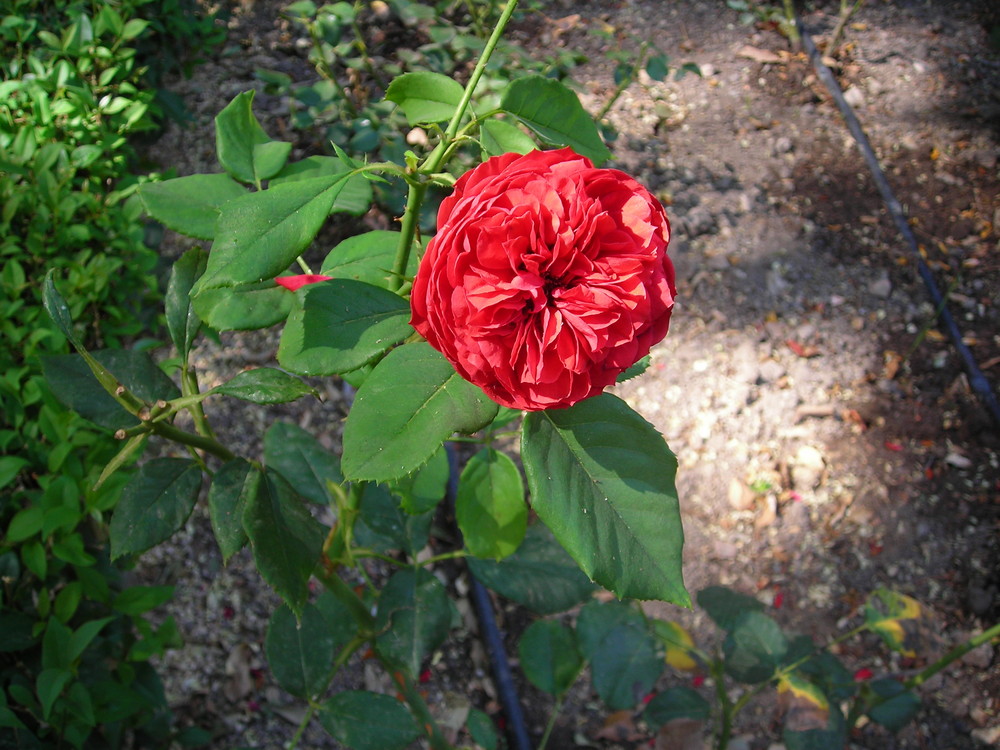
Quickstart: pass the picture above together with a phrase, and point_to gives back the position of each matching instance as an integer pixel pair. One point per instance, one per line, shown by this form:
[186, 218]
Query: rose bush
[546, 279]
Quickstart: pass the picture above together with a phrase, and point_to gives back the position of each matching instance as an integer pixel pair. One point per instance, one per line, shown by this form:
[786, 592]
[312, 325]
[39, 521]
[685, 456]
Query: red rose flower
[546, 279]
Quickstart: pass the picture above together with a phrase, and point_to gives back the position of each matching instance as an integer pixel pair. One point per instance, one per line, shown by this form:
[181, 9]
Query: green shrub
[74, 667]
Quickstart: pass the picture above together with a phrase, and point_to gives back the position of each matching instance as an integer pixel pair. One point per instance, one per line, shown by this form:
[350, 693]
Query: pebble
[771, 371]
[783, 145]
[855, 97]
[807, 468]
[881, 287]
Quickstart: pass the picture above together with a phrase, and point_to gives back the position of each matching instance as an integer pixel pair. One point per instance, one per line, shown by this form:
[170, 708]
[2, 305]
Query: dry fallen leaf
[239, 681]
[619, 727]
[680, 734]
[764, 56]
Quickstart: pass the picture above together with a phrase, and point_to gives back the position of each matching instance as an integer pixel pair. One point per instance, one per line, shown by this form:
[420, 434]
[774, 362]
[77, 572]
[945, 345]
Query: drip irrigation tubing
[977, 380]
[516, 729]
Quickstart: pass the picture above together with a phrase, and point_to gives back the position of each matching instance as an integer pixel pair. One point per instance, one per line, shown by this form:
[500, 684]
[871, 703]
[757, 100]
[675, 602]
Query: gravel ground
[828, 440]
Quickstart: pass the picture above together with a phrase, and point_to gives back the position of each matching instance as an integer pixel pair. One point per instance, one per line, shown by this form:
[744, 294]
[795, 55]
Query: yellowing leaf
[804, 705]
[678, 644]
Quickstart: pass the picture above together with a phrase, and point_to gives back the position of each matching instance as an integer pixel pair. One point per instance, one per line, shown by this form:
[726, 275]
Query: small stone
[881, 287]
[919, 67]
[981, 600]
[741, 497]
[783, 145]
[724, 550]
[807, 468]
[771, 371]
[980, 658]
[988, 736]
[707, 70]
[855, 97]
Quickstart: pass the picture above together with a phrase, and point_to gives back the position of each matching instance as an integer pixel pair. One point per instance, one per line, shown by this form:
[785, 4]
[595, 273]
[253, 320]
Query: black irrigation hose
[977, 380]
[517, 730]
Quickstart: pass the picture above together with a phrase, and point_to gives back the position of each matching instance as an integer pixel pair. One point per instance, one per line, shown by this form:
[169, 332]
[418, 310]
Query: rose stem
[432, 164]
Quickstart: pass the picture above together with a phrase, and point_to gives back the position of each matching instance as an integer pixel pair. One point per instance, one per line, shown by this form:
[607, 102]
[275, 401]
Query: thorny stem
[198, 442]
[436, 158]
[726, 706]
[189, 387]
[345, 653]
[420, 711]
[345, 594]
[956, 653]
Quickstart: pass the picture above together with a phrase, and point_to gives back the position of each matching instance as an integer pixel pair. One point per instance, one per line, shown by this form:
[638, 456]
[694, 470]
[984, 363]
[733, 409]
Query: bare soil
[828, 440]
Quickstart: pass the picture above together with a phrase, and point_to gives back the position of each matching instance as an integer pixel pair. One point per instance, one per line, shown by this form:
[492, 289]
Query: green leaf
[554, 112]
[499, 137]
[135, 600]
[624, 663]
[489, 507]
[265, 385]
[182, 322]
[245, 151]
[368, 721]
[73, 382]
[154, 504]
[676, 703]
[84, 635]
[827, 671]
[243, 307]
[367, 257]
[57, 308]
[10, 467]
[355, 198]
[190, 205]
[725, 606]
[550, 657]
[422, 490]
[270, 158]
[635, 370]
[49, 685]
[482, 729]
[299, 457]
[754, 648]
[259, 235]
[897, 705]
[425, 97]
[226, 500]
[133, 28]
[338, 620]
[383, 524]
[410, 403]
[300, 651]
[602, 479]
[540, 575]
[341, 325]
[25, 524]
[414, 617]
[285, 538]
[658, 67]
